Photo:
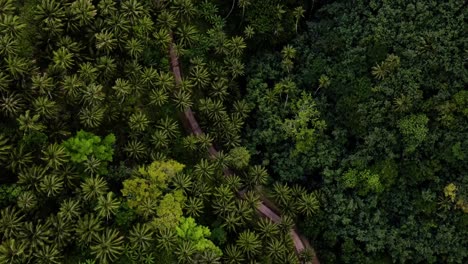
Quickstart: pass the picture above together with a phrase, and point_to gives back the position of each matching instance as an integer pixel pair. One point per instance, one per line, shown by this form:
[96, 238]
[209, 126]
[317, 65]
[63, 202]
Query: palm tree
[166, 239]
[29, 123]
[117, 24]
[209, 257]
[132, 10]
[50, 14]
[91, 116]
[149, 76]
[55, 156]
[249, 243]
[32, 177]
[184, 9]
[141, 237]
[219, 89]
[108, 246]
[275, 249]
[7, 7]
[185, 252]
[233, 255]
[107, 66]
[93, 187]
[235, 67]
[267, 228]
[148, 207]
[282, 193]
[286, 224]
[182, 100]
[308, 204]
[42, 83]
[205, 141]
[13, 251]
[45, 107]
[70, 210]
[5, 80]
[244, 210]
[72, 86]
[252, 199]
[88, 228]
[11, 104]
[51, 185]
[193, 206]
[221, 161]
[167, 20]
[298, 13]
[88, 74]
[201, 189]
[182, 181]
[297, 190]
[204, 169]
[242, 108]
[223, 207]
[61, 230]
[19, 159]
[231, 221]
[165, 81]
[63, 59]
[48, 254]
[11, 25]
[17, 66]
[10, 222]
[134, 47]
[199, 76]
[257, 175]
[290, 258]
[92, 165]
[138, 122]
[234, 182]
[83, 11]
[158, 97]
[135, 149]
[162, 37]
[37, 235]
[236, 46]
[190, 142]
[27, 201]
[122, 88]
[107, 205]
[69, 175]
[169, 126]
[105, 41]
[5, 148]
[93, 94]
[8, 47]
[160, 139]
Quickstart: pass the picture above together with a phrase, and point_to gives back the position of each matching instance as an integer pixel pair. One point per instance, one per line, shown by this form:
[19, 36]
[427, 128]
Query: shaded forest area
[207, 131]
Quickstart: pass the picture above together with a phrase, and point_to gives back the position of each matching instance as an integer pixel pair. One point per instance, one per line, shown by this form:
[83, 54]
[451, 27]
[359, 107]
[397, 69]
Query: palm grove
[348, 117]
[96, 166]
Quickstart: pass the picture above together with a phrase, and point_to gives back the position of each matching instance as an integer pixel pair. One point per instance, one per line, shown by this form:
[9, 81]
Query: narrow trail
[192, 126]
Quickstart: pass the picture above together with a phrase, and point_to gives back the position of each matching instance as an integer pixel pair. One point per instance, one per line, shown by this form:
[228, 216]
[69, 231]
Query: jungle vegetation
[208, 131]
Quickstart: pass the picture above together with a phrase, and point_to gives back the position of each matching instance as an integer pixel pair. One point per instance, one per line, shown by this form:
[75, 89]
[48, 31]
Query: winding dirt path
[192, 126]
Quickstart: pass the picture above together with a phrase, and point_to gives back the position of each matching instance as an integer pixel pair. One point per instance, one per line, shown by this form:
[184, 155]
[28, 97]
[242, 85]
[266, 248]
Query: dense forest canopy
[207, 131]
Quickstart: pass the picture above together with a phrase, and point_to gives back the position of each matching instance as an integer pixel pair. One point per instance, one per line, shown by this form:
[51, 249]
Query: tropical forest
[233, 131]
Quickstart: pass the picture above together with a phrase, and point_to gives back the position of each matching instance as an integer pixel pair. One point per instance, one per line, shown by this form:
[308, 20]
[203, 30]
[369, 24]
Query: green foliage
[86, 145]
[365, 181]
[238, 158]
[188, 230]
[150, 184]
[391, 90]
[414, 130]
